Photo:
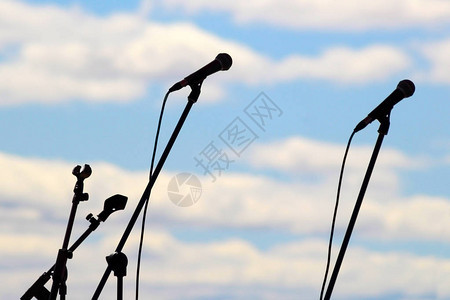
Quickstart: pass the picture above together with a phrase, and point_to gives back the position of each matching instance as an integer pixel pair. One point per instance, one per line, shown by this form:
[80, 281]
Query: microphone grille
[225, 60]
[407, 87]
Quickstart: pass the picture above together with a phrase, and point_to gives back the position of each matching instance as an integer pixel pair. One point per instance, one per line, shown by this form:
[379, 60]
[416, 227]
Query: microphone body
[222, 61]
[405, 89]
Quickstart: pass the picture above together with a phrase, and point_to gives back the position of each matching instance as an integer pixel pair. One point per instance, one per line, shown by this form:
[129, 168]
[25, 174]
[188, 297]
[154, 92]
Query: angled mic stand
[112, 204]
[382, 131]
[117, 261]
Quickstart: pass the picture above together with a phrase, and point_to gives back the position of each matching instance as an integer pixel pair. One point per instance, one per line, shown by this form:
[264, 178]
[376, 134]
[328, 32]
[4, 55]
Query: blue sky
[83, 82]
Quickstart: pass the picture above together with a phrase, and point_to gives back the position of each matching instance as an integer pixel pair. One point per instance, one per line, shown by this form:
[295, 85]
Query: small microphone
[222, 62]
[405, 89]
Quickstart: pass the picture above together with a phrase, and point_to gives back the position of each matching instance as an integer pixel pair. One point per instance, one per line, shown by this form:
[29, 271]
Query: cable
[330, 244]
[141, 240]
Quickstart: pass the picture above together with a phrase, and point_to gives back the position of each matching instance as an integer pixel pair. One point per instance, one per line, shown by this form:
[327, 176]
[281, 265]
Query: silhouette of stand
[192, 98]
[112, 204]
[118, 262]
[382, 131]
[60, 271]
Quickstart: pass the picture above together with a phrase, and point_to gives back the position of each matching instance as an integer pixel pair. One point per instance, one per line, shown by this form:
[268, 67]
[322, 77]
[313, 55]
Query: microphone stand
[112, 204]
[382, 131]
[60, 271]
[117, 261]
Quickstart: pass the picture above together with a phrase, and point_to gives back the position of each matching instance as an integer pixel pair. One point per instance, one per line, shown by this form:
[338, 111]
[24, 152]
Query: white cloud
[232, 267]
[54, 54]
[416, 218]
[329, 15]
[63, 54]
[349, 65]
[387, 214]
[336, 64]
[299, 205]
[297, 154]
[35, 196]
[437, 55]
[295, 265]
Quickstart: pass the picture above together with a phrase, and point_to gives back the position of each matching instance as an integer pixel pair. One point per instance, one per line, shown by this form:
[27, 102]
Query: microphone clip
[195, 91]
[384, 123]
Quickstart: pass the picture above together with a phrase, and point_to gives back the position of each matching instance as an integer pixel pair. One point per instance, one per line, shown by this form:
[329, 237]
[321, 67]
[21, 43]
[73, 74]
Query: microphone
[405, 89]
[222, 62]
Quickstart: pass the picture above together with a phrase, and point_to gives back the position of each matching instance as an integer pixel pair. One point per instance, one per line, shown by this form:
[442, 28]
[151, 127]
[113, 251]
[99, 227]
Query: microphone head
[407, 87]
[225, 61]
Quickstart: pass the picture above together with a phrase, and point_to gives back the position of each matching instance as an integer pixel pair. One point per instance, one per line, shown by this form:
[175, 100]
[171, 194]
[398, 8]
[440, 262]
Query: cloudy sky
[83, 82]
